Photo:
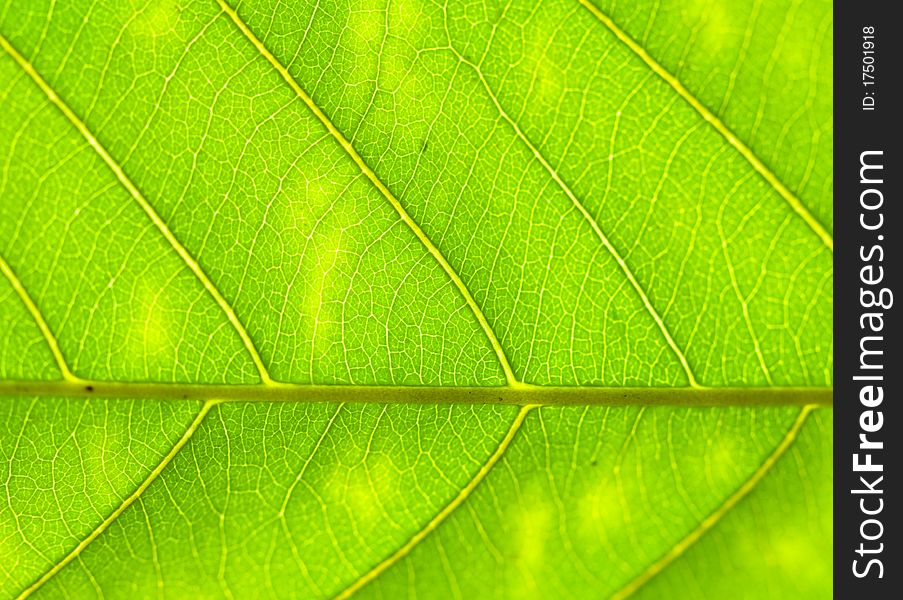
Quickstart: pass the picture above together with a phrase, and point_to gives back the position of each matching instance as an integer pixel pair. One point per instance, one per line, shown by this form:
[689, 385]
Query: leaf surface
[631, 204]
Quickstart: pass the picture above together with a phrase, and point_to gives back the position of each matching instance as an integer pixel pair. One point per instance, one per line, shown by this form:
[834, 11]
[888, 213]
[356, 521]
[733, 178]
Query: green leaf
[396, 299]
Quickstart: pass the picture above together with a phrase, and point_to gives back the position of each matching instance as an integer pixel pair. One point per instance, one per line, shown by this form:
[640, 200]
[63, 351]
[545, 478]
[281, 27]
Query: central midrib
[520, 394]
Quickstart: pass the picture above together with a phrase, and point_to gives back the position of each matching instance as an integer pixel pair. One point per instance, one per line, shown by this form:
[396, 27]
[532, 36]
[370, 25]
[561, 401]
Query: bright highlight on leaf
[404, 299]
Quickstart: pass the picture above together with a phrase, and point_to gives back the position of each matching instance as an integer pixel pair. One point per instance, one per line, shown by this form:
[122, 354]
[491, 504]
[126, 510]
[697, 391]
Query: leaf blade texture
[529, 194]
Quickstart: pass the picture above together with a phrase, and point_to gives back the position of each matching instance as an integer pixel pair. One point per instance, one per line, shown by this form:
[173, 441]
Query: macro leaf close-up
[412, 299]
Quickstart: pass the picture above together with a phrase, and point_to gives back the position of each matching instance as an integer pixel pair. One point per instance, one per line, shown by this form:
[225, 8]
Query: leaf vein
[167, 458]
[707, 524]
[39, 319]
[149, 210]
[383, 189]
[443, 514]
[795, 203]
[625, 268]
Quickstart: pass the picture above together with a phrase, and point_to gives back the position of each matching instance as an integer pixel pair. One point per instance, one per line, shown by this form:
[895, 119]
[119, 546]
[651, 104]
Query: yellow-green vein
[520, 395]
[709, 522]
[385, 191]
[142, 202]
[39, 320]
[795, 203]
[625, 268]
[192, 428]
[448, 509]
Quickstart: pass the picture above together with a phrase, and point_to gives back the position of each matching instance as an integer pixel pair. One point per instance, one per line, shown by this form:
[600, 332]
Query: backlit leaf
[398, 298]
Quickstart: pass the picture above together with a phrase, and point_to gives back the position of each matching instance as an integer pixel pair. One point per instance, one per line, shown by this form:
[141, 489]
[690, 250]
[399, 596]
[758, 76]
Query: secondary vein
[588, 217]
[40, 321]
[795, 203]
[155, 218]
[713, 519]
[192, 428]
[447, 510]
[377, 182]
